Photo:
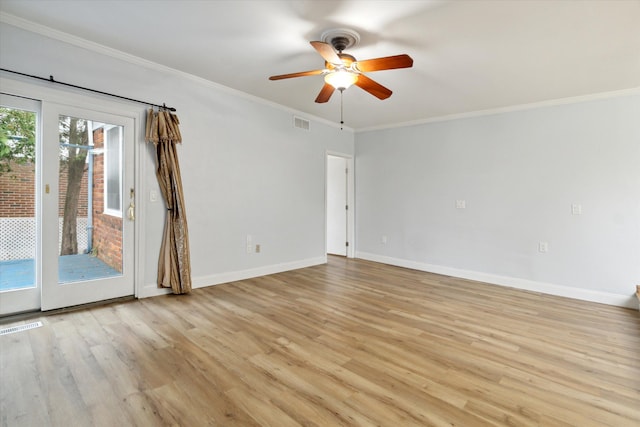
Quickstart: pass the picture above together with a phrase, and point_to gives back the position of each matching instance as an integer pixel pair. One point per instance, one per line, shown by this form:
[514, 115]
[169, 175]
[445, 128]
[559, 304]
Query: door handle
[131, 212]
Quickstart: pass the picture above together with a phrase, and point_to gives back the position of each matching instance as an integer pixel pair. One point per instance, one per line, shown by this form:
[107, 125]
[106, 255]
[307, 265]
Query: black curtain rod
[51, 80]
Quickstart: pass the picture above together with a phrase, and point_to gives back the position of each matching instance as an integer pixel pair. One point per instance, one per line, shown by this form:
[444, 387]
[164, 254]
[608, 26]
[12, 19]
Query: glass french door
[88, 206]
[83, 213]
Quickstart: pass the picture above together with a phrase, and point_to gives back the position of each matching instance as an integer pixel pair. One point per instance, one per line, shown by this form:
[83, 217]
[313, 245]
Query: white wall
[519, 173]
[245, 169]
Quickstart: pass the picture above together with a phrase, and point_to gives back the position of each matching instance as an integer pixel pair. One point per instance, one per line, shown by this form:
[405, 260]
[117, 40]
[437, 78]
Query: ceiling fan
[343, 70]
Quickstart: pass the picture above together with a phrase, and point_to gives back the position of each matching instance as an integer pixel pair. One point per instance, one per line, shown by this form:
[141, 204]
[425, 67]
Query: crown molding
[510, 109]
[45, 31]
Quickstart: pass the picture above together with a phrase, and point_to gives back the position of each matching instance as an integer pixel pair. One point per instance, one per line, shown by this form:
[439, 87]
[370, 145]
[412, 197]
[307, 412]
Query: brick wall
[17, 192]
[62, 192]
[107, 229]
[17, 189]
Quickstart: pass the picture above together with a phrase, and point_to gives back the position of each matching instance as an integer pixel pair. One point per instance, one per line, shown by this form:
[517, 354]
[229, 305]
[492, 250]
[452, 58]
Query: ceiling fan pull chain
[341, 109]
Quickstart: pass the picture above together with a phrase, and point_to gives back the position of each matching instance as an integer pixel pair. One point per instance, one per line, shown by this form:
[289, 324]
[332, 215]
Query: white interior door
[87, 206]
[337, 205]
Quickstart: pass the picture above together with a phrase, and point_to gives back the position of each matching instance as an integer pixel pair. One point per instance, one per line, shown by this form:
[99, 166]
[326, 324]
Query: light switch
[576, 209]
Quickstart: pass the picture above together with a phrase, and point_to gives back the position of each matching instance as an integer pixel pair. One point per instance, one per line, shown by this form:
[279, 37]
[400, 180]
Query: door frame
[351, 249]
[76, 99]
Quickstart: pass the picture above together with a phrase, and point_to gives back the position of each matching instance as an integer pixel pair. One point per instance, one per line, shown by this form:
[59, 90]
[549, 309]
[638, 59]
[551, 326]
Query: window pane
[113, 169]
[90, 234]
[17, 199]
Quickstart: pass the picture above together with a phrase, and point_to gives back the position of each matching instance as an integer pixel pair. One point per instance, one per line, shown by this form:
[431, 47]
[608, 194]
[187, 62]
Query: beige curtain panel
[174, 265]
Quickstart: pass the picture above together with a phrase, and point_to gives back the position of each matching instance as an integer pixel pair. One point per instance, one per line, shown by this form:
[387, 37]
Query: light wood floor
[348, 343]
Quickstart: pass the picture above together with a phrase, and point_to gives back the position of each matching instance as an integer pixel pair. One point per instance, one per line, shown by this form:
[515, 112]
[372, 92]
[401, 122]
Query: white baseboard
[512, 282]
[152, 290]
[232, 276]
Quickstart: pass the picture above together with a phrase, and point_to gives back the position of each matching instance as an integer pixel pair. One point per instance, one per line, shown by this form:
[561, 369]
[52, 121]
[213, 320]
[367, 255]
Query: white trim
[511, 282]
[151, 290]
[140, 202]
[509, 109]
[132, 59]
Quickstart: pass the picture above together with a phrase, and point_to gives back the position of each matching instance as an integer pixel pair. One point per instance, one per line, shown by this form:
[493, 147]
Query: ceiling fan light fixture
[341, 79]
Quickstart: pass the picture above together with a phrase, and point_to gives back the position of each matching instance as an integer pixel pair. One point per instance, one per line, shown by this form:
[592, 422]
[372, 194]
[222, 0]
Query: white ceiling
[469, 55]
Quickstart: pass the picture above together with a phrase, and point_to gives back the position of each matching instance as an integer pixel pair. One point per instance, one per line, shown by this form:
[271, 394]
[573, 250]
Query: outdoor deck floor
[19, 274]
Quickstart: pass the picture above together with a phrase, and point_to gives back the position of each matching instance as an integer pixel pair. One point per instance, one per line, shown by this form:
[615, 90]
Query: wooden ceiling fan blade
[325, 93]
[327, 52]
[300, 74]
[386, 63]
[374, 88]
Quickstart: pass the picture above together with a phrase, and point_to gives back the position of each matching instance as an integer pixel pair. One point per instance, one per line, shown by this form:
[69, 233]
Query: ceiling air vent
[300, 123]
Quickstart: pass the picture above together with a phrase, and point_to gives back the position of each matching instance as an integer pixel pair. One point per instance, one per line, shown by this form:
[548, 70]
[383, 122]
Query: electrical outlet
[543, 247]
[384, 240]
[576, 209]
[461, 204]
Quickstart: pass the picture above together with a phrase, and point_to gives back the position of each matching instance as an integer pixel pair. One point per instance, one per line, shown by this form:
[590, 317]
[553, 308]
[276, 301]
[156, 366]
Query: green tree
[17, 138]
[74, 137]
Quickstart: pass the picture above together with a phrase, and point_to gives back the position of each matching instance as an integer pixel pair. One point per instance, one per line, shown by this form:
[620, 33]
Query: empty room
[320, 213]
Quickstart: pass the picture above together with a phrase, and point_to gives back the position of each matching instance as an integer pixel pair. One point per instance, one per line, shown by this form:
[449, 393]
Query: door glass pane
[90, 232]
[17, 199]
[113, 170]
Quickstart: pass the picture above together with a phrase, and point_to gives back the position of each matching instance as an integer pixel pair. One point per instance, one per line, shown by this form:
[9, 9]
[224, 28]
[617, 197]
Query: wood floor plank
[60, 393]
[19, 389]
[349, 343]
[91, 380]
[143, 411]
[259, 408]
[321, 394]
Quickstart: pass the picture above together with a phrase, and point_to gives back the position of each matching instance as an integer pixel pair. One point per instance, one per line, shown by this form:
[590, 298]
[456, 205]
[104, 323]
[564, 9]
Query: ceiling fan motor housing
[341, 38]
[340, 43]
